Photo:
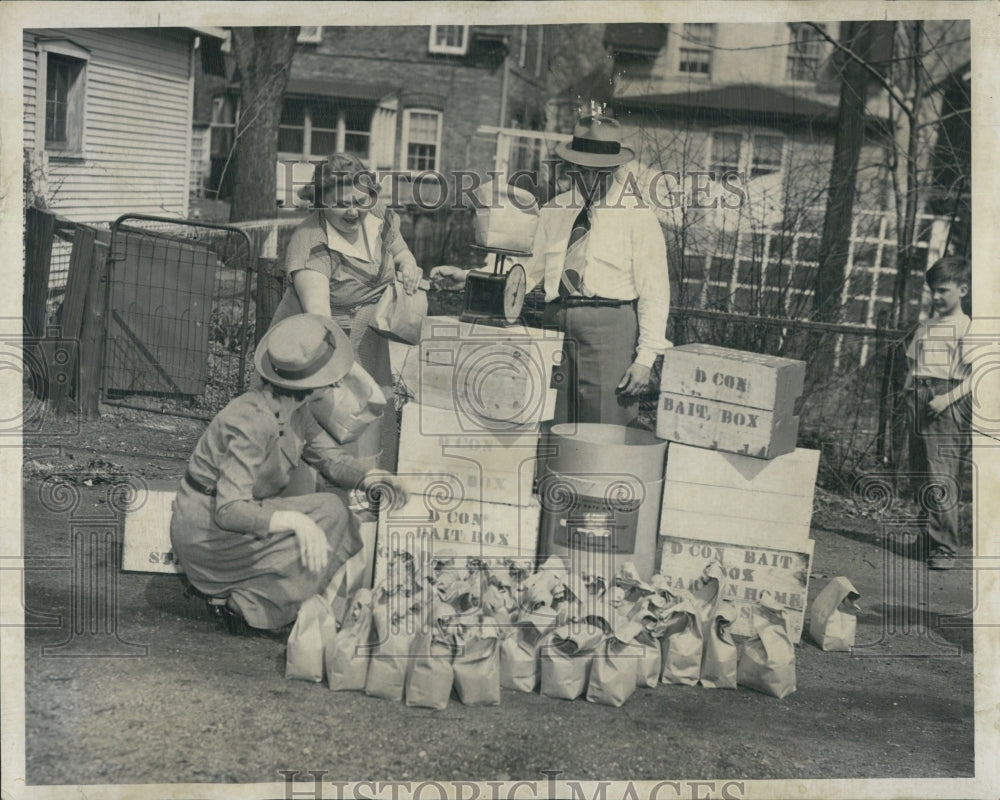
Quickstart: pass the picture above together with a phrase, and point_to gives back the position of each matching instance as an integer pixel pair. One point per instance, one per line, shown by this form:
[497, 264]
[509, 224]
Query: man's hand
[314, 549]
[635, 380]
[448, 278]
[409, 275]
[938, 404]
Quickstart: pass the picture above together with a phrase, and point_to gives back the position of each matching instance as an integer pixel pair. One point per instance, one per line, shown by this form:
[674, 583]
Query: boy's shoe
[941, 559]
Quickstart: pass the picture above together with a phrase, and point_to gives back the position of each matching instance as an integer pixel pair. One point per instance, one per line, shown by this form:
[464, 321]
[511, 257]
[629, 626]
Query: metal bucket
[600, 492]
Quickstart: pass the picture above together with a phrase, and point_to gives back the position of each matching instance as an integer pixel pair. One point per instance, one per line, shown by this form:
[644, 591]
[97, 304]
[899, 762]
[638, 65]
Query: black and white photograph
[497, 401]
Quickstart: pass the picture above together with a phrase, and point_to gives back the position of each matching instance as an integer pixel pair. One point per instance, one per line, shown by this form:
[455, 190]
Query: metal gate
[179, 315]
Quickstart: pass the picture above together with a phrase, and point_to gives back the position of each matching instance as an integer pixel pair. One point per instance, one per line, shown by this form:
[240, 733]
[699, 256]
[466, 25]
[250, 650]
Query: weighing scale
[497, 297]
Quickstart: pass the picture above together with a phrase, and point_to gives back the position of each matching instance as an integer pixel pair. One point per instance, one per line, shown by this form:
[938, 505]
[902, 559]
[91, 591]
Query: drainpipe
[504, 87]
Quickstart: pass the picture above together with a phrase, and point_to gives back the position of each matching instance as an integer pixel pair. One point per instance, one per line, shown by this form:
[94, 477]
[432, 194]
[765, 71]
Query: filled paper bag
[614, 668]
[833, 622]
[520, 667]
[650, 662]
[346, 654]
[477, 663]
[314, 625]
[430, 676]
[767, 663]
[719, 662]
[681, 646]
[388, 664]
[398, 315]
[345, 409]
[506, 217]
[566, 658]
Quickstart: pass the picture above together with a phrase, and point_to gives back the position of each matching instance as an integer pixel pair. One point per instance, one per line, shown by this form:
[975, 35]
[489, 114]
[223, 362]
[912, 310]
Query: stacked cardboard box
[736, 490]
[469, 440]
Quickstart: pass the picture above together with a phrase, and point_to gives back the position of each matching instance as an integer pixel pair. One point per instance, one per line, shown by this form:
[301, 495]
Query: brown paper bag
[398, 315]
[395, 629]
[833, 624]
[520, 667]
[345, 409]
[346, 654]
[506, 217]
[477, 664]
[681, 646]
[430, 676]
[314, 624]
[649, 665]
[613, 674]
[767, 663]
[566, 659]
[719, 662]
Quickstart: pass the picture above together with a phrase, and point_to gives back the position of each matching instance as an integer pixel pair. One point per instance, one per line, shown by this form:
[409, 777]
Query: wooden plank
[468, 528]
[733, 376]
[80, 263]
[91, 354]
[481, 465]
[39, 232]
[146, 545]
[745, 504]
[792, 473]
[753, 574]
[724, 426]
[735, 530]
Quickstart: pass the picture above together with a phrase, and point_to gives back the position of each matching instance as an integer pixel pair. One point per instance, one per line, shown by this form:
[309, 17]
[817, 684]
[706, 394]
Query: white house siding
[137, 124]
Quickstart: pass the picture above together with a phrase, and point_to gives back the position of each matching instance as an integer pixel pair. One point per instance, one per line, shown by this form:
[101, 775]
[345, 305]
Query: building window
[697, 40]
[421, 139]
[62, 80]
[310, 34]
[755, 155]
[223, 126]
[805, 52]
[317, 128]
[449, 39]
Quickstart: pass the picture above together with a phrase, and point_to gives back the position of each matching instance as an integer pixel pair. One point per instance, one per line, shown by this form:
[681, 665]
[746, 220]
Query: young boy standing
[940, 409]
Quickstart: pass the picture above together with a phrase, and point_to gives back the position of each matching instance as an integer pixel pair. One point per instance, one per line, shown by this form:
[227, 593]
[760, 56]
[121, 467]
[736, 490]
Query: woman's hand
[409, 275]
[448, 278]
[314, 549]
[384, 487]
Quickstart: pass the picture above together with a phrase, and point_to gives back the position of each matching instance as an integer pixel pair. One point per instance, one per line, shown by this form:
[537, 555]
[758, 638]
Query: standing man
[601, 256]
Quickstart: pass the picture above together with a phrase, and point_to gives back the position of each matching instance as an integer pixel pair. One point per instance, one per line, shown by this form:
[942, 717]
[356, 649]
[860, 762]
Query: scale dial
[514, 287]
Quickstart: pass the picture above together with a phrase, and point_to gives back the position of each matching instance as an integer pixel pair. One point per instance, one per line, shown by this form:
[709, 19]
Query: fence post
[40, 227]
[883, 389]
[91, 352]
[81, 263]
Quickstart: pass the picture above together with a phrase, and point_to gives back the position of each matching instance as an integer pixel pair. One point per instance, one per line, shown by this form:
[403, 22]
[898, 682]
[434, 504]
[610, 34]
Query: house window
[421, 139]
[449, 39]
[310, 34]
[63, 74]
[805, 52]
[317, 128]
[697, 40]
[755, 154]
[223, 127]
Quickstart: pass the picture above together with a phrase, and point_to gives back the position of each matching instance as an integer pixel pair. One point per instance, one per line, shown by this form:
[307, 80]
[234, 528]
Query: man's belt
[591, 302]
[198, 486]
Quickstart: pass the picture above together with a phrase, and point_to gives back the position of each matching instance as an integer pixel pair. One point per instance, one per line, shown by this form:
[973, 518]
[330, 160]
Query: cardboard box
[497, 468]
[730, 400]
[752, 574]
[146, 543]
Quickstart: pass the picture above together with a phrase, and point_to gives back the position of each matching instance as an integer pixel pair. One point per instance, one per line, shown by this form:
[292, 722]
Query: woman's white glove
[314, 549]
[383, 486]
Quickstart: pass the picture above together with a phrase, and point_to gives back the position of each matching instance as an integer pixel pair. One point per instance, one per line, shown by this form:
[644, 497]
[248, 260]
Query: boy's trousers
[938, 444]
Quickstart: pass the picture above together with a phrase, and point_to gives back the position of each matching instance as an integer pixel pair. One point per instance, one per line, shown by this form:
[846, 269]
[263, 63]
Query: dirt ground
[175, 699]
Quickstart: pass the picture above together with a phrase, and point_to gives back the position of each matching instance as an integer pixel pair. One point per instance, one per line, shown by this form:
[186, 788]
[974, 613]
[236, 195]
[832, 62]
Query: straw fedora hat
[305, 351]
[597, 142]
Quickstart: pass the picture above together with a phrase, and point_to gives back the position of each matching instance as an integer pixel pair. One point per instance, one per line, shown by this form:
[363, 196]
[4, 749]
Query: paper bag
[346, 654]
[767, 663]
[477, 664]
[388, 664]
[314, 624]
[398, 315]
[566, 659]
[719, 662]
[520, 667]
[649, 665]
[430, 676]
[506, 217]
[345, 409]
[681, 646]
[833, 623]
[613, 673]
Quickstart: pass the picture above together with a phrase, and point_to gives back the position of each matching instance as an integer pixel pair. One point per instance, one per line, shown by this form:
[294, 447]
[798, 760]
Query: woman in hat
[255, 554]
[339, 261]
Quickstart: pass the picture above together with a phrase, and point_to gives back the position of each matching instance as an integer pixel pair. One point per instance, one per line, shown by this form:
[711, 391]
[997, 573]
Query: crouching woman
[258, 555]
